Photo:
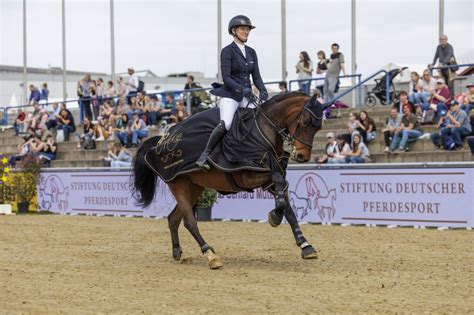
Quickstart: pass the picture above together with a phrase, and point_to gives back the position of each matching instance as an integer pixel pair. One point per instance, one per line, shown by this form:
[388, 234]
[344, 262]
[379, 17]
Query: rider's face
[242, 32]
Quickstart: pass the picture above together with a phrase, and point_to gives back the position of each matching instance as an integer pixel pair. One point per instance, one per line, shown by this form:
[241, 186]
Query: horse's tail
[144, 183]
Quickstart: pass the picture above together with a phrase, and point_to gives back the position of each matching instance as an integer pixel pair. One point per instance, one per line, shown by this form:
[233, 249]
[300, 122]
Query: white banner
[408, 196]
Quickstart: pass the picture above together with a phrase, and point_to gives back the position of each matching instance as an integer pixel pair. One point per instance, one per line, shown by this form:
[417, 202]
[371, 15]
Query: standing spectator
[35, 95]
[343, 149]
[369, 130]
[414, 89]
[66, 123]
[88, 133]
[445, 54]
[283, 87]
[410, 128]
[321, 70]
[101, 90]
[304, 69]
[468, 103]
[132, 84]
[121, 88]
[44, 94]
[94, 100]
[111, 93]
[393, 123]
[336, 64]
[360, 153]
[85, 88]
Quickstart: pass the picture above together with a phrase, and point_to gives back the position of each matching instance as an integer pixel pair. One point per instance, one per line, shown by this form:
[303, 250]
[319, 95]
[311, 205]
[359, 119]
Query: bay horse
[294, 117]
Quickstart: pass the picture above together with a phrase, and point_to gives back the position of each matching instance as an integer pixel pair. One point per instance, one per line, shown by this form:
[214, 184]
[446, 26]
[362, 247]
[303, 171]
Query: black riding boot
[214, 139]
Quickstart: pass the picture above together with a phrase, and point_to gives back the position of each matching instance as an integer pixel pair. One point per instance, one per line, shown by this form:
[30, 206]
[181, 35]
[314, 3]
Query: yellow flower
[4, 160]
[4, 179]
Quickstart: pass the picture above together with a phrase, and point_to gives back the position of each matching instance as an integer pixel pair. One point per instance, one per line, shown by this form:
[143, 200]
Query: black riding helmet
[239, 20]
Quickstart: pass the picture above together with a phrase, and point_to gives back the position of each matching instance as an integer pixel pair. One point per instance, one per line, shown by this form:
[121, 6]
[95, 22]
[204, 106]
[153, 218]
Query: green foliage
[25, 182]
[207, 199]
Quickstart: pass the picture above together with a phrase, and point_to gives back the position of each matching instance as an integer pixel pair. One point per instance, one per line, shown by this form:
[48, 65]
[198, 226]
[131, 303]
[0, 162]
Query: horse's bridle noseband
[284, 132]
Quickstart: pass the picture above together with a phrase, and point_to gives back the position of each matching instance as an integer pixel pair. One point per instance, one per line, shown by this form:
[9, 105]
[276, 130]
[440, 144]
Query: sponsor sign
[409, 196]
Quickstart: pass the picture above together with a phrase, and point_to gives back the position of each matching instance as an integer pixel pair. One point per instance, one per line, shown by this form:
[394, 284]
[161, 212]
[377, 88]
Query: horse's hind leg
[174, 220]
[186, 194]
[307, 251]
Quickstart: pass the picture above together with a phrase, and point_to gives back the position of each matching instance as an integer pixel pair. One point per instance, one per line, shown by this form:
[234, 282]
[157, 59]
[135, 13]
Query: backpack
[89, 144]
[449, 144]
[428, 117]
[141, 86]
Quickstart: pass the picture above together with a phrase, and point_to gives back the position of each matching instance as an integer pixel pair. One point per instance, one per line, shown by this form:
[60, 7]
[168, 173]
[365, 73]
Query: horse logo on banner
[52, 194]
[311, 193]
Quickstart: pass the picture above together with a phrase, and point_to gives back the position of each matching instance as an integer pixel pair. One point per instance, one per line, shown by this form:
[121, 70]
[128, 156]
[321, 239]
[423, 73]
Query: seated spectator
[343, 148]
[470, 142]
[409, 129]
[22, 152]
[121, 107]
[283, 88]
[443, 122]
[102, 130]
[66, 123]
[135, 108]
[31, 118]
[153, 112]
[440, 98]
[108, 111]
[468, 104]
[19, 124]
[121, 124]
[458, 128]
[331, 149]
[179, 114]
[360, 153]
[403, 100]
[138, 129]
[427, 85]
[35, 95]
[47, 150]
[415, 92]
[368, 130]
[354, 125]
[393, 123]
[121, 157]
[88, 133]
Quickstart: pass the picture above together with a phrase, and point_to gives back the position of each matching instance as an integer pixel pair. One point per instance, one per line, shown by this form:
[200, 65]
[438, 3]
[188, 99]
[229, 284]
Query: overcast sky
[176, 35]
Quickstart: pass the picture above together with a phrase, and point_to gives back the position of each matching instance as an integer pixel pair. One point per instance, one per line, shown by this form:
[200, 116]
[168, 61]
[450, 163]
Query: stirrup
[202, 163]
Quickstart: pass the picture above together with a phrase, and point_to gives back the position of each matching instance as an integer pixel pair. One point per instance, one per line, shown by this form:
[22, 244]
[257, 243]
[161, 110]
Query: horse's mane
[280, 98]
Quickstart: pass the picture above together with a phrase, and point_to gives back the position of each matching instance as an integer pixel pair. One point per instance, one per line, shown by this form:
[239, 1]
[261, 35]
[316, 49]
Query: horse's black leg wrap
[214, 139]
[205, 248]
[276, 215]
[177, 252]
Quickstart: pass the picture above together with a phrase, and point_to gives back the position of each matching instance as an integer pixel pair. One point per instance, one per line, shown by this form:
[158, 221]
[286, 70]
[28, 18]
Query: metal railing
[358, 76]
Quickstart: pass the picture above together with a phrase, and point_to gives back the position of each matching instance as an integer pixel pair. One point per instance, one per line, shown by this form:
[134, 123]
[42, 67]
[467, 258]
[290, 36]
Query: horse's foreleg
[281, 202]
[307, 251]
[174, 220]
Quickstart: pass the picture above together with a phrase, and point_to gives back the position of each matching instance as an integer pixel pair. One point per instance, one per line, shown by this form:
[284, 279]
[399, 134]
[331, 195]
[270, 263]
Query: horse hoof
[177, 253]
[274, 219]
[309, 253]
[215, 263]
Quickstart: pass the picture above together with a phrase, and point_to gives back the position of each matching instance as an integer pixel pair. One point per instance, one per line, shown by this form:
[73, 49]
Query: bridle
[284, 132]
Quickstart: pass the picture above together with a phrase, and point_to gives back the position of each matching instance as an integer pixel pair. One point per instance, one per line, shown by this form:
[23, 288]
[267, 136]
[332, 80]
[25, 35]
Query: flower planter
[204, 214]
[23, 207]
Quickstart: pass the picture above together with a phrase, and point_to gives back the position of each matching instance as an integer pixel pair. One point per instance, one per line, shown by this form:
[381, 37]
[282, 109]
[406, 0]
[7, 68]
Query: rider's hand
[263, 95]
[247, 92]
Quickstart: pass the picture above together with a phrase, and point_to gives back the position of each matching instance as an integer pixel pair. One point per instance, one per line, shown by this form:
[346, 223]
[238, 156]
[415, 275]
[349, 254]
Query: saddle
[244, 147]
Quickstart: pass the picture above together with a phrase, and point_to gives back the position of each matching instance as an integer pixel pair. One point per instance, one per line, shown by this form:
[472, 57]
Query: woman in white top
[427, 85]
[360, 153]
[304, 68]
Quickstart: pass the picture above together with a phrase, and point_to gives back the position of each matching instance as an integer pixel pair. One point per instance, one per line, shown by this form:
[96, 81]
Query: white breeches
[228, 107]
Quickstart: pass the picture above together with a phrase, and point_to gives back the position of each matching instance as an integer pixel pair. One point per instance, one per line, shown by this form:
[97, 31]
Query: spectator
[102, 130]
[445, 54]
[304, 69]
[23, 150]
[321, 70]
[283, 87]
[436, 136]
[335, 65]
[121, 125]
[189, 82]
[409, 129]
[470, 142]
[44, 94]
[331, 149]
[368, 129]
[414, 89]
[179, 114]
[121, 88]
[138, 130]
[343, 148]
[459, 126]
[360, 153]
[88, 133]
[404, 100]
[393, 123]
[94, 99]
[66, 123]
[354, 125]
[134, 108]
[85, 96]
[132, 84]
[108, 111]
[47, 150]
[121, 107]
[19, 124]
[440, 97]
[468, 104]
[34, 95]
[111, 93]
[101, 90]
[121, 157]
[427, 85]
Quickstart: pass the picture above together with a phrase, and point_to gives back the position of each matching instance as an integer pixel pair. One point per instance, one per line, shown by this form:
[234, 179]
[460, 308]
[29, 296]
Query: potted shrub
[6, 197]
[25, 183]
[204, 205]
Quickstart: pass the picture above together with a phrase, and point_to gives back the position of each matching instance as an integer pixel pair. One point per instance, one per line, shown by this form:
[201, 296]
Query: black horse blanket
[244, 147]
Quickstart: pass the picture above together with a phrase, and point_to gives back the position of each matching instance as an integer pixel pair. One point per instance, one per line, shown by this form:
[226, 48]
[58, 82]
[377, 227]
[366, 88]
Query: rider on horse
[238, 62]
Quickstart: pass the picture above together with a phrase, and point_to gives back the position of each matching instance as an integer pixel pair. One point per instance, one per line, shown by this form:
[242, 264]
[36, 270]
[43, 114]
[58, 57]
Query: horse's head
[303, 121]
